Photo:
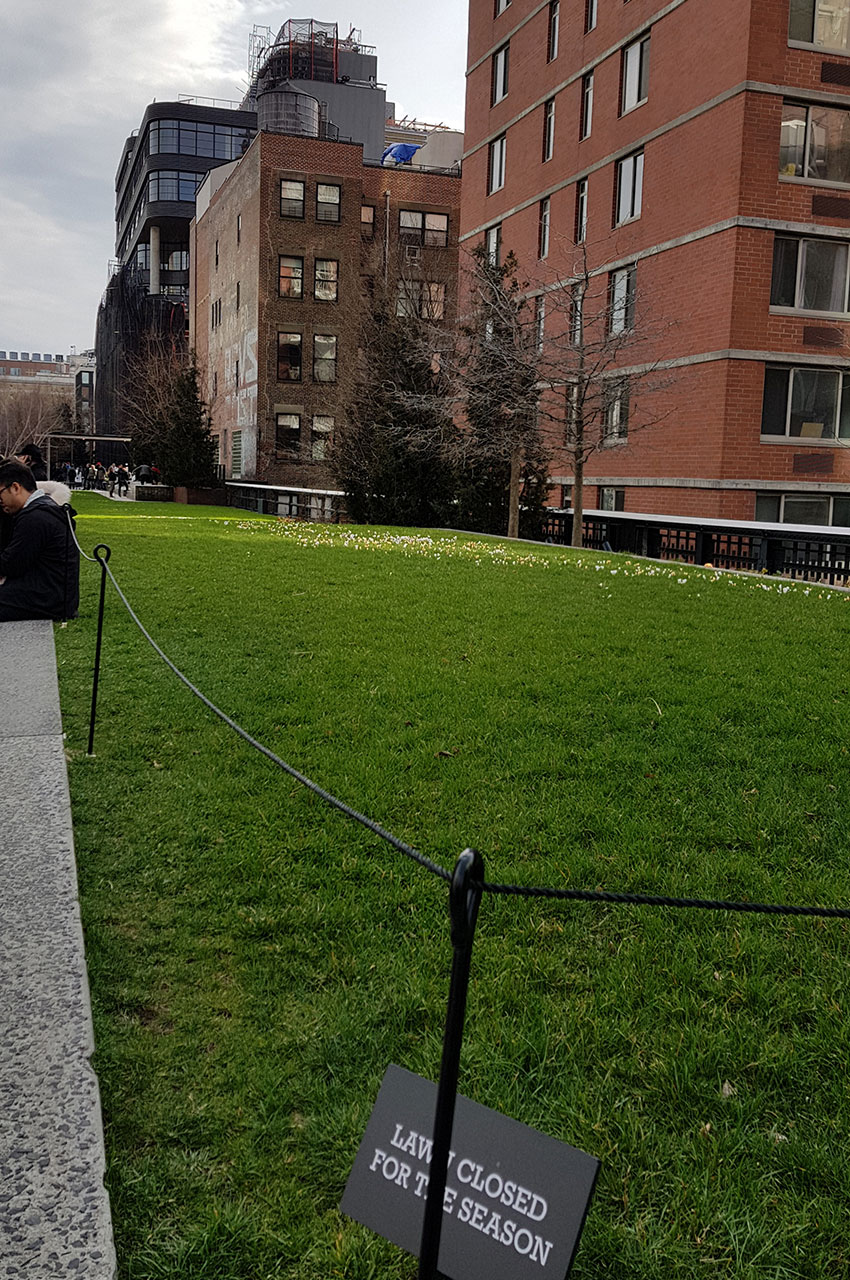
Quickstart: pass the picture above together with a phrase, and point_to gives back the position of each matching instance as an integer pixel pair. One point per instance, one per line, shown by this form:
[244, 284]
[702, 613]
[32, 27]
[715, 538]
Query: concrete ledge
[54, 1210]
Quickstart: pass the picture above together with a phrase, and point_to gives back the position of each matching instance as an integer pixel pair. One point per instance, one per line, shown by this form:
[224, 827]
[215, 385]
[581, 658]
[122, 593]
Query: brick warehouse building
[286, 243]
[700, 150]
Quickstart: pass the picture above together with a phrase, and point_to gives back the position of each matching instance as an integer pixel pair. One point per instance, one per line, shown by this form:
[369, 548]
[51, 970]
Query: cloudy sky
[75, 78]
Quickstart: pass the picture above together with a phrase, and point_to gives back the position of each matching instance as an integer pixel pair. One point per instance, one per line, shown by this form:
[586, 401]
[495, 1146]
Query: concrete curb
[54, 1210]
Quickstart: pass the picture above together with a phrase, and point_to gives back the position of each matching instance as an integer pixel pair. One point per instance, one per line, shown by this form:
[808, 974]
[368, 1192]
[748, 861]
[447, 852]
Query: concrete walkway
[54, 1210]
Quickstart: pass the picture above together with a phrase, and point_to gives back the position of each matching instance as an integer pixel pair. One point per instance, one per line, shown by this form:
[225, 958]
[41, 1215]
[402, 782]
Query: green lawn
[256, 961]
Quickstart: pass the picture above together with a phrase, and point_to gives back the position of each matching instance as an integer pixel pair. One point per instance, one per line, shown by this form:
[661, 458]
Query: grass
[256, 961]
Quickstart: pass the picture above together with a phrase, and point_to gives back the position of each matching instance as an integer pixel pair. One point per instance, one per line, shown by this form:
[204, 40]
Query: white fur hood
[60, 493]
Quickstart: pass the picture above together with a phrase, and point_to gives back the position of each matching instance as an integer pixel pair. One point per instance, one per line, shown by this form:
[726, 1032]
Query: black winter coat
[41, 565]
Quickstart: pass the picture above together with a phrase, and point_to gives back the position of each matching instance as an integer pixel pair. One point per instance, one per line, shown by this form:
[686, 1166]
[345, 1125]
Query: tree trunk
[578, 501]
[513, 499]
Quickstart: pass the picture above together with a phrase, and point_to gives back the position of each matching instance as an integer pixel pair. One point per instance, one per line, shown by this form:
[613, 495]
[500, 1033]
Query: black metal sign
[515, 1200]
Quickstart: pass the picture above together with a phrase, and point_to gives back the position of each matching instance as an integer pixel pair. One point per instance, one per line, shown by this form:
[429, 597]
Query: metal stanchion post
[464, 900]
[101, 546]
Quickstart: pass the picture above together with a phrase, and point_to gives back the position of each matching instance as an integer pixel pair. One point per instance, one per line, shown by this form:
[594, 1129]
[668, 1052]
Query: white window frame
[635, 90]
[621, 300]
[835, 440]
[629, 187]
[590, 15]
[809, 142]
[615, 429]
[501, 67]
[586, 112]
[544, 220]
[548, 129]
[493, 244]
[553, 30]
[798, 282]
[577, 313]
[501, 6]
[580, 229]
[821, 8]
[496, 157]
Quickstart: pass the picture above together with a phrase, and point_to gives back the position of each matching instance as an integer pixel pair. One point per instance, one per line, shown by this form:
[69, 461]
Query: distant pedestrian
[123, 480]
[144, 475]
[31, 456]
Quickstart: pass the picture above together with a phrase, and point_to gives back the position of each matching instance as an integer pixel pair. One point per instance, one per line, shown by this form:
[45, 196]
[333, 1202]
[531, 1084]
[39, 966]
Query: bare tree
[169, 421]
[600, 373]
[496, 376]
[29, 412]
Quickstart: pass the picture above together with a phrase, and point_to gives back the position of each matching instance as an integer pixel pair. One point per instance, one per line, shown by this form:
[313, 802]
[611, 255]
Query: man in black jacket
[40, 565]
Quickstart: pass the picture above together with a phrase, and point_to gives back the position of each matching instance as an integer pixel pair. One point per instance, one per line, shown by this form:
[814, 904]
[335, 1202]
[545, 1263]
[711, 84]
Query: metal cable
[91, 559]
[661, 900]
[331, 799]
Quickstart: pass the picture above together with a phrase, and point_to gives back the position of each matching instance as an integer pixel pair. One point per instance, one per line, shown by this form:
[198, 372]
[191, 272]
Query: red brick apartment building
[286, 243]
[703, 148]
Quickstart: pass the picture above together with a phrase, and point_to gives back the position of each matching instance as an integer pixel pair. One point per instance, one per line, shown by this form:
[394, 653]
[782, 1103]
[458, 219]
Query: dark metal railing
[807, 552]
[326, 506]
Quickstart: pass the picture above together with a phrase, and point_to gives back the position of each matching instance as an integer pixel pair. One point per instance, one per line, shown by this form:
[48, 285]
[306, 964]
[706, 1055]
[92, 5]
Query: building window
[236, 374]
[635, 75]
[577, 313]
[611, 499]
[586, 114]
[169, 184]
[216, 313]
[291, 277]
[822, 22]
[407, 298]
[543, 228]
[581, 211]
[590, 14]
[621, 299]
[548, 129]
[237, 295]
[367, 221]
[554, 27]
[814, 143]
[422, 298]
[236, 455]
[239, 228]
[499, 74]
[324, 358]
[326, 280]
[287, 433]
[328, 196]
[809, 275]
[501, 6]
[415, 227]
[803, 508]
[540, 322]
[432, 300]
[813, 404]
[496, 165]
[629, 187]
[323, 426]
[215, 384]
[616, 421]
[291, 199]
[289, 357]
[216, 255]
[493, 244]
